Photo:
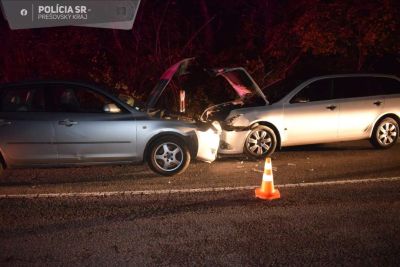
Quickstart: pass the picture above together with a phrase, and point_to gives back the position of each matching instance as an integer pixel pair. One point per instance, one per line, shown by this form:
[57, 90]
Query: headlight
[216, 126]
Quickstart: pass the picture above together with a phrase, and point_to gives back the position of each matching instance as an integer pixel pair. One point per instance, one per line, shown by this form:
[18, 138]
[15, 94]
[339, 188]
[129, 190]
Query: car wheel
[385, 133]
[260, 142]
[169, 156]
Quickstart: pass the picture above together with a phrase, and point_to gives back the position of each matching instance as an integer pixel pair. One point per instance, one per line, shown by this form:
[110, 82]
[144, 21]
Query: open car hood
[241, 82]
[178, 69]
[238, 78]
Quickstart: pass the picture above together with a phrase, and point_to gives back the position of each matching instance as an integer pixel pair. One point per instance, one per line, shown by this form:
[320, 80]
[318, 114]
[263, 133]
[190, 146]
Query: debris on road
[275, 169]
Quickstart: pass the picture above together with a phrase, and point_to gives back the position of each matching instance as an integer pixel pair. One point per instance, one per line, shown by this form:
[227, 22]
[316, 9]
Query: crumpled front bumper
[208, 142]
[232, 142]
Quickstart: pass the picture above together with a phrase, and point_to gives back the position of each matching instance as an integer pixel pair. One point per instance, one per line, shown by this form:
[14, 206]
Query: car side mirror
[111, 108]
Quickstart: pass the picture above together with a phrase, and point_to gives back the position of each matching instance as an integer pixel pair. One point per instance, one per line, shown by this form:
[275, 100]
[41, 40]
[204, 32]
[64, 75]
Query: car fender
[148, 130]
[251, 117]
[382, 116]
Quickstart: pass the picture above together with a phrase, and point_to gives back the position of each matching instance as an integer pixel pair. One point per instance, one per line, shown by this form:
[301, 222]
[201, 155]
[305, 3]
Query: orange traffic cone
[267, 190]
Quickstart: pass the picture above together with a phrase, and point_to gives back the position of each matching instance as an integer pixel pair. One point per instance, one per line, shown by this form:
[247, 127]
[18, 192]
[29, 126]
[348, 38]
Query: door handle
[377, 103]
[331, 107]
[67, 123]
[4, 122]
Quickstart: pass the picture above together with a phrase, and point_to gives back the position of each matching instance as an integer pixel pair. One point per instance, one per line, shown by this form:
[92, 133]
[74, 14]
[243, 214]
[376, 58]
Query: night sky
[273, 39]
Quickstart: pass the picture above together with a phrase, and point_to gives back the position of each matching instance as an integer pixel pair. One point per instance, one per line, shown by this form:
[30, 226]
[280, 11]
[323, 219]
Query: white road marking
[190, 190]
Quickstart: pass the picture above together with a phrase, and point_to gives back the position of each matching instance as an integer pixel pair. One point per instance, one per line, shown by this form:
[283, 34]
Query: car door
[26, 131]
[361, 103]
[311, 116]
[91, 127]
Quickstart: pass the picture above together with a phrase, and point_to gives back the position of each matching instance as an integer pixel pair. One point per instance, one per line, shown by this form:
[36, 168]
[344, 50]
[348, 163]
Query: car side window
[91, 102]
[22, 99]
[71, 98]
[351, 87]
[316, 91]
[387, 86]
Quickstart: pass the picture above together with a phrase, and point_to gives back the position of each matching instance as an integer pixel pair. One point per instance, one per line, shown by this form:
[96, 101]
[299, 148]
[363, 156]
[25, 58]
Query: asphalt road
[337, 224]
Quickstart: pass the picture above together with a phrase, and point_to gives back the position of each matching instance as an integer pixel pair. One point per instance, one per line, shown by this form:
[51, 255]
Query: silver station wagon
[58, 123]
[319, 110]
[322, 109]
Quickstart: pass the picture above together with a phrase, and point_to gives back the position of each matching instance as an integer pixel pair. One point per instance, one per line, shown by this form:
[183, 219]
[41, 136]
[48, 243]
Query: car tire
[168, 156]
[261, 142]
[385, 133]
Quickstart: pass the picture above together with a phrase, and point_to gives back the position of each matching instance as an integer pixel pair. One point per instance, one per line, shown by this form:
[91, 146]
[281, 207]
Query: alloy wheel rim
[168, 156]
[387, 133]
[259, 142]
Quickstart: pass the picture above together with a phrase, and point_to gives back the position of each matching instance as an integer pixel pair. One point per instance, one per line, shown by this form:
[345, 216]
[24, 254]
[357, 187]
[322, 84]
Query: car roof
[96, 87]
[70, 82]
[93, 86]
[349, 75]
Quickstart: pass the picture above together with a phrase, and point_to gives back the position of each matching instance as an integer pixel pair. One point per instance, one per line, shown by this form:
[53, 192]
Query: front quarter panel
[204, 142]
[234, 136]
[272, 114]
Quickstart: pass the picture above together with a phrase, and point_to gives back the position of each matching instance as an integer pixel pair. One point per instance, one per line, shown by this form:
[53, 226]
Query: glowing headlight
[217, 126]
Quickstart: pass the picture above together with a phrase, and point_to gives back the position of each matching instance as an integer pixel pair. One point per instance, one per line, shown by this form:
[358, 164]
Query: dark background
[273, 39]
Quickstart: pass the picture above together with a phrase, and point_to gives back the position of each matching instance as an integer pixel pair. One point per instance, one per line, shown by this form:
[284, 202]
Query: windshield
[279, 90]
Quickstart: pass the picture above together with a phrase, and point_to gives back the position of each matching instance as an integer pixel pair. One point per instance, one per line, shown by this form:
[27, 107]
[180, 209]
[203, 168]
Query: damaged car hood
[241, 82]
[239, 79]
[178, 69]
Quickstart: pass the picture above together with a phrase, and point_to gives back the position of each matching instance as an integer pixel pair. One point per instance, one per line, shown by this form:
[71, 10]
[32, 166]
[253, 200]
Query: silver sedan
[67, 123]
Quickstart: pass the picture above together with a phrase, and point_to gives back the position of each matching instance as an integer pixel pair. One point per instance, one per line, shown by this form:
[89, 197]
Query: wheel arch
[387, 115]
[273, 127]
[189, 140]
